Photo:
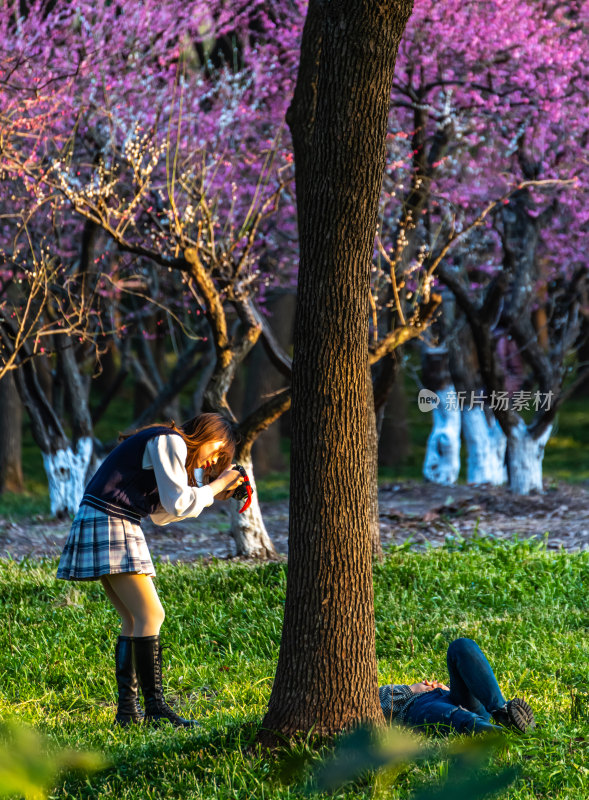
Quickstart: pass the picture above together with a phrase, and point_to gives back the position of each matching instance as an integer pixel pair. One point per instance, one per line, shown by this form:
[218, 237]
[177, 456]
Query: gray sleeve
[393, 698]
[385, 694]
[166, 455]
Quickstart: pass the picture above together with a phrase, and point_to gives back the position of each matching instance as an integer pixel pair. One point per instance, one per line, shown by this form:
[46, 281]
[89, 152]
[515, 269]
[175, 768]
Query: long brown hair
[198, 431]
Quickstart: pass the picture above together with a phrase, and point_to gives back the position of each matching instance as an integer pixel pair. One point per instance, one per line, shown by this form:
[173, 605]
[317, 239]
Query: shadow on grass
[146, 756]
[170, 761]
[154, 757]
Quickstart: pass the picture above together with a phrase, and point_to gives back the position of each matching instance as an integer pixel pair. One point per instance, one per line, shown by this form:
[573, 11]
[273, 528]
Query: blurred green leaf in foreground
[29, 769]
[389, 751]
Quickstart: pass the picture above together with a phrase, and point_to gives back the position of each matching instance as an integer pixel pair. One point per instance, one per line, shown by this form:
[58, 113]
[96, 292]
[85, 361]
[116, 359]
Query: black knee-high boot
[148, 663]
[129, 711]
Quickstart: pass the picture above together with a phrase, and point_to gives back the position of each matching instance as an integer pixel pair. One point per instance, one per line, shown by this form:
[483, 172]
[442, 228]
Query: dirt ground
[423, 512]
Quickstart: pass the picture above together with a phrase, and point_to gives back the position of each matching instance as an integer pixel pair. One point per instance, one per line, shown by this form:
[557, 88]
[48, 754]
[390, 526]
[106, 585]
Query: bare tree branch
[262, 418]
[417, 324]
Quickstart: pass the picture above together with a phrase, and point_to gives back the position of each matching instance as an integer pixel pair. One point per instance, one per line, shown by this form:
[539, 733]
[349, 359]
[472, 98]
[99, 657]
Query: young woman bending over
[151, 473]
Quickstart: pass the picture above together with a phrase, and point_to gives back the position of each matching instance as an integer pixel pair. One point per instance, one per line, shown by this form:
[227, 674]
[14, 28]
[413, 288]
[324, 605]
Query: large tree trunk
[524, 458]
[326, 678]
[11, 477]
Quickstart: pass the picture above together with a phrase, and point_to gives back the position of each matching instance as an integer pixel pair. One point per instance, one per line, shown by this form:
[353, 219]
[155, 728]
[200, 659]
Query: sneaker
[516, 714]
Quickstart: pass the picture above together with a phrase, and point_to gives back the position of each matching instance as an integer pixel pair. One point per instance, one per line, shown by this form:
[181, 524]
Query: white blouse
[166, 455]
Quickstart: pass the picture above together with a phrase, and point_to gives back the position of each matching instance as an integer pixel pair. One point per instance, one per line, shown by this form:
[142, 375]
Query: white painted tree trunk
[524, 459]
[442, 454]
[248, 529]
[486, 445]
[66, 474]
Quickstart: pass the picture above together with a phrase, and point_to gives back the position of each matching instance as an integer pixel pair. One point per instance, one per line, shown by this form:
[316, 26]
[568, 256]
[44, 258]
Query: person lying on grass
[466, 706]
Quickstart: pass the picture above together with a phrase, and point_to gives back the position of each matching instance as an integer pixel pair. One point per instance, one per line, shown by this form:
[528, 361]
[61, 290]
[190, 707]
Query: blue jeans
[474, 694]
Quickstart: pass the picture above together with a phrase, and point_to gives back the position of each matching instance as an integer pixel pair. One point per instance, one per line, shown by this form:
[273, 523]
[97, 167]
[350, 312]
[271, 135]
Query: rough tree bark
[326, 678]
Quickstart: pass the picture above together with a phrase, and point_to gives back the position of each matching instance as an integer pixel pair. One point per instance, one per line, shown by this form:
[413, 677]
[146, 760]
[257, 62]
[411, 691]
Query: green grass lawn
[526, 607]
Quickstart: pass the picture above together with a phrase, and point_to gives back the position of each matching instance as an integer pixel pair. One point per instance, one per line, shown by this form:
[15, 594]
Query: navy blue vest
[121, 487]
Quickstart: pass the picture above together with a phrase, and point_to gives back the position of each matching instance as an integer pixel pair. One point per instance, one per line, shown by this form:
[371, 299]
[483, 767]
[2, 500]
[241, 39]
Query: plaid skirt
[99, 544]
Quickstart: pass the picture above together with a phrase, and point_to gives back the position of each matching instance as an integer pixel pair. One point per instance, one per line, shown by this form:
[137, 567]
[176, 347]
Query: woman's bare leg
[138, 596]
[127, 620]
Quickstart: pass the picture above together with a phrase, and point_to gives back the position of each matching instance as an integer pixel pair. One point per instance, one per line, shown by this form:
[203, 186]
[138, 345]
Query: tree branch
[213, 305]
[405, 333]
[279, 358]
[262, 418]
[545, 418]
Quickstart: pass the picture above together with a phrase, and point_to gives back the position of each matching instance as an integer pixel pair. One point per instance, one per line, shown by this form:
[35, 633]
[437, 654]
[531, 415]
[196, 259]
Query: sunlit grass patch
[526, 607]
